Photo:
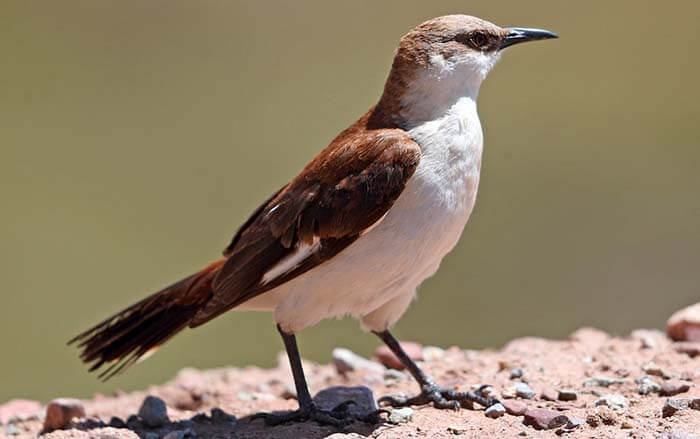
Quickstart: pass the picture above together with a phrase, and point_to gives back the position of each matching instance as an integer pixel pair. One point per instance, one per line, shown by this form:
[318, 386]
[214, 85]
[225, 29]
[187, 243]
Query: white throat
[437, 89]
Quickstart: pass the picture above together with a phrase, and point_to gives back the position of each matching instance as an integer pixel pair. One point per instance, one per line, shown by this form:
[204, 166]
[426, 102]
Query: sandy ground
[589, 366]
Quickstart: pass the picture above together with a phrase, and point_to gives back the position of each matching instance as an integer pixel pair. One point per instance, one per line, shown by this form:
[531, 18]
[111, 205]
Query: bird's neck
[413, 98]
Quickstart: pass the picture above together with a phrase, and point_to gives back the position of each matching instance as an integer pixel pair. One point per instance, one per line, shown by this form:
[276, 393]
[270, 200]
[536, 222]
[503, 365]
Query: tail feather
[122, 339]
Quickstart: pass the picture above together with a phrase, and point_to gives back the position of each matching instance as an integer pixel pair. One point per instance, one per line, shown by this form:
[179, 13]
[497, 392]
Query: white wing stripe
[290, 262]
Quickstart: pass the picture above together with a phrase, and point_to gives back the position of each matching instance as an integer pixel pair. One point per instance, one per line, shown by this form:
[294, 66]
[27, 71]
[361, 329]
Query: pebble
[116, 422]
[390, 360]
[61, 411]
[574, 422]
[12, 430]
[549, 394]
[677, 435]
[401, 416]
[674, 405]
[615, 401]
[346, 360]
[646, 385]
[151, 435]
[524, 391]
[602, 381]
[18, 409]
[684, 325]
[153, 412]
[543, 419]
[218, 415]
[288, 392]
[691, 349]
[331, 397]
[515, 408]
[180, 434]
[674, 387]
[433, 353]
[495, 411]
[457, 430]
[516, 373]
[567, 395]
[652, 368]
[392, 376]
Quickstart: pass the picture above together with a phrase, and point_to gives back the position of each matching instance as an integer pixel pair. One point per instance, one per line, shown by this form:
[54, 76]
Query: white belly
[376, 277]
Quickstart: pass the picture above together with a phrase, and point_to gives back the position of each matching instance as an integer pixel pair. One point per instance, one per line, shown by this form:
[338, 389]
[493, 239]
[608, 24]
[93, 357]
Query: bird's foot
[441, 398]
[338, 417]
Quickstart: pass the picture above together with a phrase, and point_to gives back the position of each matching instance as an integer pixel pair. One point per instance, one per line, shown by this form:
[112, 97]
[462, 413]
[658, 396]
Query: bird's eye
[479, 40]
[476, 40]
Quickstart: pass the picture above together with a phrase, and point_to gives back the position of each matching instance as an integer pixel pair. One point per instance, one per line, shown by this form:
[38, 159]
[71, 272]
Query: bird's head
[448, 57]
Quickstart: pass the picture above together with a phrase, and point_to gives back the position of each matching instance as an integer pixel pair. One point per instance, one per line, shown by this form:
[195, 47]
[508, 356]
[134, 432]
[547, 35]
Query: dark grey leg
[430, 392]
[338, 417]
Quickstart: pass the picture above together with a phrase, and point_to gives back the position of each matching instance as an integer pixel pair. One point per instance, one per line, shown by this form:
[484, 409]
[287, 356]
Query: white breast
[376, 277]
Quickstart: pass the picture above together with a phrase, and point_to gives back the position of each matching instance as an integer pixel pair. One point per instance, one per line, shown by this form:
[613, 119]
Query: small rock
[331, 397]
[684, 325]
[61, 411]
[12, 430]
[495, 411]
[394, 376]
[151, 435]
[133, 422]
[524, 391]
[549, 395]
[649, 338]
[652, 368]
[117, 422]
[674, 387]
[543, 419]
[401, 416]
[218, 415]
[677, 435]
[567, 395]
[589, 336]
[457, 430]
[593, 420]
[153, 412]
[645, 385]
[615, 401]
[626, 425]
[515, 408]
[516, 373]
[606, 415]
[390, 360]
[433, 353]
[602, 381]
[181, 434]
[288, 392]
[19, 409]
[245, 396]
[346, 360]
[574, 422]
[674, 405]
[691, 349]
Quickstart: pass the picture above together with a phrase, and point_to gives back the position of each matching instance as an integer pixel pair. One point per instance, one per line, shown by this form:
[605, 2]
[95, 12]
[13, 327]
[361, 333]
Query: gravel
[615, 401]
[401, 416]
[495, 411]
[524, 391]
[153, 412]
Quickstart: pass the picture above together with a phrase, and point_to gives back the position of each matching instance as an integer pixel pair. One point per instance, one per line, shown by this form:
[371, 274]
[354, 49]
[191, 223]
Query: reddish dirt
[547, 366]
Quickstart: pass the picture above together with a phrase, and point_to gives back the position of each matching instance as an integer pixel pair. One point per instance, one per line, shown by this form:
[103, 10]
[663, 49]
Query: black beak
[517, 35]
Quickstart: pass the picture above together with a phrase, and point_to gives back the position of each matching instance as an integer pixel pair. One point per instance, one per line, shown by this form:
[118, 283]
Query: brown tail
[141, 328]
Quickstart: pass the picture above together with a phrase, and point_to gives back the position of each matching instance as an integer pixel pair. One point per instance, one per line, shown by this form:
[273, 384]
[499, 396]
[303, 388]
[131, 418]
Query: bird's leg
[338, 417]
[441, 398]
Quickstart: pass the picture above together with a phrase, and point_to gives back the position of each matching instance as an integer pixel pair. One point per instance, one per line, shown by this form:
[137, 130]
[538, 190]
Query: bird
[357, 231]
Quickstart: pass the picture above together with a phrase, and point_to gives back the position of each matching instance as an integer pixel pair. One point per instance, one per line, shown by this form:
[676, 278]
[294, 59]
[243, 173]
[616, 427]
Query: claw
[440, 397]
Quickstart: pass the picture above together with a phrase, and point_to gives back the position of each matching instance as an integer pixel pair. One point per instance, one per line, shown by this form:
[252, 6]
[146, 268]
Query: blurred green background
[136, 136]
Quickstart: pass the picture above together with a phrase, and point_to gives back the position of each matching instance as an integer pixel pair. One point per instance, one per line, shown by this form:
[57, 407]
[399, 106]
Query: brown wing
[340, 194]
